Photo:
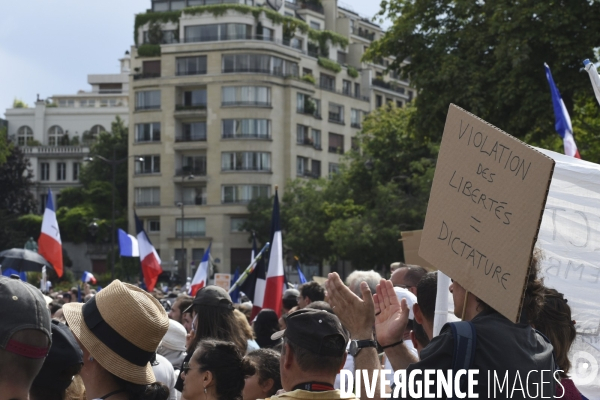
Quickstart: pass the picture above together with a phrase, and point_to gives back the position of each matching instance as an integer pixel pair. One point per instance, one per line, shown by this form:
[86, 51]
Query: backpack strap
[465, 343]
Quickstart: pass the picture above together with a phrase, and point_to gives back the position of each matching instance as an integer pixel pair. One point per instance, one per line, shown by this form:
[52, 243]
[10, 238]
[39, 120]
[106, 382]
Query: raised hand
[391, 316]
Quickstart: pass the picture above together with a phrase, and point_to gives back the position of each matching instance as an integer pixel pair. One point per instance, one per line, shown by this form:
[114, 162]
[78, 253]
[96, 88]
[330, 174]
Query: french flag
[128, 245]
[148, 256]
[49, 243]
[201, 276]
[268, 292]
[87, 277]
[563, 121]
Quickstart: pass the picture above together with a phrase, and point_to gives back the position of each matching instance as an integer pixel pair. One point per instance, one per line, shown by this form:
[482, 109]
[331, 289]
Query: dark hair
[218, 323]
[555, 322]
[290, 302]
[312, 362]
[321, 305]
[153, 391]
[50, 393]
[414, 273]
[427, 294]
[420, 334]
[184, 303]
[313, 291]
[227, 364]
[266, 362]
[266, 324]
[54, 307]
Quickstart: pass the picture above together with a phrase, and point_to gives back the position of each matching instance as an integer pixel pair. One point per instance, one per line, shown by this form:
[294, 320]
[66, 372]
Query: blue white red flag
[128, 245]
[87, 277]
[563, 121]
[149, 258]
[201, 277]
[49, 243]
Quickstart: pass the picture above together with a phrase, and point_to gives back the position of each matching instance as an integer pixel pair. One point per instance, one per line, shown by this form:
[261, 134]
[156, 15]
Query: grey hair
[355, 278]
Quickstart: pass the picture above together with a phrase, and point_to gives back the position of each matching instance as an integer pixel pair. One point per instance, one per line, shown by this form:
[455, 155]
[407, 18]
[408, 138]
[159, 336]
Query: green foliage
[10, 234]
[358, 214]
[329, 64]
[309, 78]
[18, 103]
[352, 72]
[143, 19]
[259, 220]
[155, 33]
[487, 57]
[15, 183]
[586, 127]
[30, 225]
[309, 105]
[149, 50]
[322, 37]
[75, 141]
[5, 145]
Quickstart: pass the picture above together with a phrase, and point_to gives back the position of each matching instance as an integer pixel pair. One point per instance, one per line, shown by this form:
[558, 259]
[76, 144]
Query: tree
[5, 145]
[487, 57]
[15, 181]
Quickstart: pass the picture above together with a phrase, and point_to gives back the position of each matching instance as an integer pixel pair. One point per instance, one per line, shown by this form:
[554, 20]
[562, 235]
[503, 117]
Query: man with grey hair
[355, 278]
[395, 265]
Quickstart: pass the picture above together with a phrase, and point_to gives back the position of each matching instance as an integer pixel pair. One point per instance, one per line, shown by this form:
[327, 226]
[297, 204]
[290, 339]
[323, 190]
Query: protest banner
[223, 280]
[488, 195]
[410, 243]
[569, 238]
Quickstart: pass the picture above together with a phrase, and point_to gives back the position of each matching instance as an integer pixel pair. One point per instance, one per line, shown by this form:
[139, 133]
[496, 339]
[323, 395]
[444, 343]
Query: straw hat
[121, 327]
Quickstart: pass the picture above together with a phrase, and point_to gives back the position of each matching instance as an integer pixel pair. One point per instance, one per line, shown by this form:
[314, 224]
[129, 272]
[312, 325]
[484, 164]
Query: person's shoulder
[305, 394]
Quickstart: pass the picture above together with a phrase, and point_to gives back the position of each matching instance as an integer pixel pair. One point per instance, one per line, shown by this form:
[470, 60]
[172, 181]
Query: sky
[49, 47]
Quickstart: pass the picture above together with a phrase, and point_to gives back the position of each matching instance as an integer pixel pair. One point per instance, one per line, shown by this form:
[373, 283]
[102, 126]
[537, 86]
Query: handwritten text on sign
[484, 211]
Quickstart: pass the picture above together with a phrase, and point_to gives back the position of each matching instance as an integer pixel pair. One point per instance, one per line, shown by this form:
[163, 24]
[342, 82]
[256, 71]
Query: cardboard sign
[410, 243]
[223, 280]
[485, 209]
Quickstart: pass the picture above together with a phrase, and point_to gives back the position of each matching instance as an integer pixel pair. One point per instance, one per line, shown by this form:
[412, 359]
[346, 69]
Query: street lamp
[113, 163]
[181, 204]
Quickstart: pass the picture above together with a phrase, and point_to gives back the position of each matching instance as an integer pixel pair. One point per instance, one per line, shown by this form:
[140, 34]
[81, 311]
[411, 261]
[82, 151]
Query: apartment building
[56, 133]
[228, 101]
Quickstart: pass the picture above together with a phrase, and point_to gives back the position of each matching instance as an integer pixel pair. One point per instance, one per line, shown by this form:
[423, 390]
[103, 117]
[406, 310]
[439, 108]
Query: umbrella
[23, 260]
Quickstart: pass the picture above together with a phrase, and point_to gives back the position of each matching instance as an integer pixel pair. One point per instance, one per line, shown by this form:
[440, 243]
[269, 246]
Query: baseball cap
[64, 353]
[214, 296]
[411, 299]
[311, 329]
[291, 294]
[22, 306]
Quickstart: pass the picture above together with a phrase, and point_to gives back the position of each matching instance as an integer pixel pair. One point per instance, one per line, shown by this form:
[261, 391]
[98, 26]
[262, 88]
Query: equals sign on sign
[475, 222]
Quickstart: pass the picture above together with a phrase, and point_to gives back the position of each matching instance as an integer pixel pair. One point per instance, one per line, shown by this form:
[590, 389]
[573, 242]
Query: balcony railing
[196, 171]
[242, 135]
[200, 71]
[50, 150]
[345, 92]
[308, 174]
[190, 107]
[198, 201]
[336, 117]
[147, 203]
[246, 103]
[267, 71]
[316, 7]
[146, 75]
[356, 125]
[190, 137]
[247, 168]
[387, 85]
[308, 142]
[363, 33]
[148, 107]
[191, 234]
[336, 149]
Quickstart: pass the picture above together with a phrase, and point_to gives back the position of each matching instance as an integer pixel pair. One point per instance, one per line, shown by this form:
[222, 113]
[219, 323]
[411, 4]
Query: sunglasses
[186, 367]
[194, 323]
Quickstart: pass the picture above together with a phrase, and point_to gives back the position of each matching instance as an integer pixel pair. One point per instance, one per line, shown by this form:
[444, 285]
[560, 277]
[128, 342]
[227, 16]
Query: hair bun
[248, 368]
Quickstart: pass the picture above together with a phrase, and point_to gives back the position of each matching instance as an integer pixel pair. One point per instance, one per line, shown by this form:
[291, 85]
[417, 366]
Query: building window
[66, 103]
[336, 143]
[302, 166]
[44, 172]
[193, 99]
[195, 165]
[43, 201]
[333, 169]
[246, 161]
[214, 32]
[327, 82]
[259, 63]
[61, 171]
[87, 103]
[296, 43]
[168, 36]
[197, 255]
[191, 65]
[315, 168]
[410, 95]
[378, 101]
[76, 167]
[246, 128]
[55, 136]
[150, 165]
[244, 193]
[399, 103]
[341, 57]
[315, 25]
[357, 90]
[192, 132]
[336, 113]
[355, 118]
[192, 227]
[153, 225]
[194, 195]
[24, 135]
[149, 132]
[247, 95]
[147, 196]
[237, 223]
[147, 100]
[346, 87]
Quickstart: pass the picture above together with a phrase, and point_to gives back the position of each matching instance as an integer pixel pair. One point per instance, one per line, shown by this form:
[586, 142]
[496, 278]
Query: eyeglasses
[186, 367]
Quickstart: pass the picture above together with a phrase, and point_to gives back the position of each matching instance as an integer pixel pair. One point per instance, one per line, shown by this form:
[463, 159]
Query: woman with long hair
[118, 331]
[216, 371]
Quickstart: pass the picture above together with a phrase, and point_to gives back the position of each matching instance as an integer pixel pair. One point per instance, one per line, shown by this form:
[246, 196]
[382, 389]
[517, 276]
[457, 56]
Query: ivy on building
[352, 72]
[329, 64]
[149, 50]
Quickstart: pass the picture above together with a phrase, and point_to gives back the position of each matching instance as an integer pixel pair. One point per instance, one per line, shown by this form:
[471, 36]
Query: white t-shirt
[165, 373]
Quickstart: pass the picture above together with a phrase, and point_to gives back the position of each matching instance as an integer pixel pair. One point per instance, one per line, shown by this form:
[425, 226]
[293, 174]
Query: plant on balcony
[155, 33]
[75, 141]
[309, 106]
[352, 72]
[322, 37]
[329, 64]
[149, 50]
[309, 78]
[164, 17]
[18, 103]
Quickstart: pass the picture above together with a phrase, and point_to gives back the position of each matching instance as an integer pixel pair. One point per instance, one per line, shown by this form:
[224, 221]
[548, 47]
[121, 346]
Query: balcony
[313, 6]
[308, 174]
[146, 75]
[185, 171]
[198, 201]
[336, 150]
[147, 203]
[346, 92]
[336, 118]
[246, 104]
[387, 85]
[244, 135]
[148, 107]
[191, 234]
[54, 150]
[190, 107]
[363, 33]
[190, 137]
[356, 125]
[246, 169]
[309, 142]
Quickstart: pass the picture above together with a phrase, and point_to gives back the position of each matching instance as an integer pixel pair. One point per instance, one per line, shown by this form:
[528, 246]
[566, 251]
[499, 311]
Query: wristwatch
[356, 345]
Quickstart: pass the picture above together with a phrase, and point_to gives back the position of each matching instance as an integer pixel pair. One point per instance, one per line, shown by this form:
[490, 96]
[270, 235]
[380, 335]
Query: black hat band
[111, 338]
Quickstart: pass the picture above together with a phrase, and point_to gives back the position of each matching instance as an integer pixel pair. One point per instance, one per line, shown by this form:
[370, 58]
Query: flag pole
[250, 268]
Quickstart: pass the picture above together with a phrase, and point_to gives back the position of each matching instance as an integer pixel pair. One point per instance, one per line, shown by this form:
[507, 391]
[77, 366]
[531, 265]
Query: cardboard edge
[534, 240]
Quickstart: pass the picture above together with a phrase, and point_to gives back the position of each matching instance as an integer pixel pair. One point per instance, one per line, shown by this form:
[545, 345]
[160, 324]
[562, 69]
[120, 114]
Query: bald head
[408, 277]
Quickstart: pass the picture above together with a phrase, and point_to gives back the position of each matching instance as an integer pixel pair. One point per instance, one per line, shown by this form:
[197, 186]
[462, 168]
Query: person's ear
[207, 380]
[267, 385]
[414, 340]
[343, 362]
[287, 357]
[418, 313]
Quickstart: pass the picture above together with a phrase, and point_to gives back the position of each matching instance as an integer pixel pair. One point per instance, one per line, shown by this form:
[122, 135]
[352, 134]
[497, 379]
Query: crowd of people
[123, 343]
